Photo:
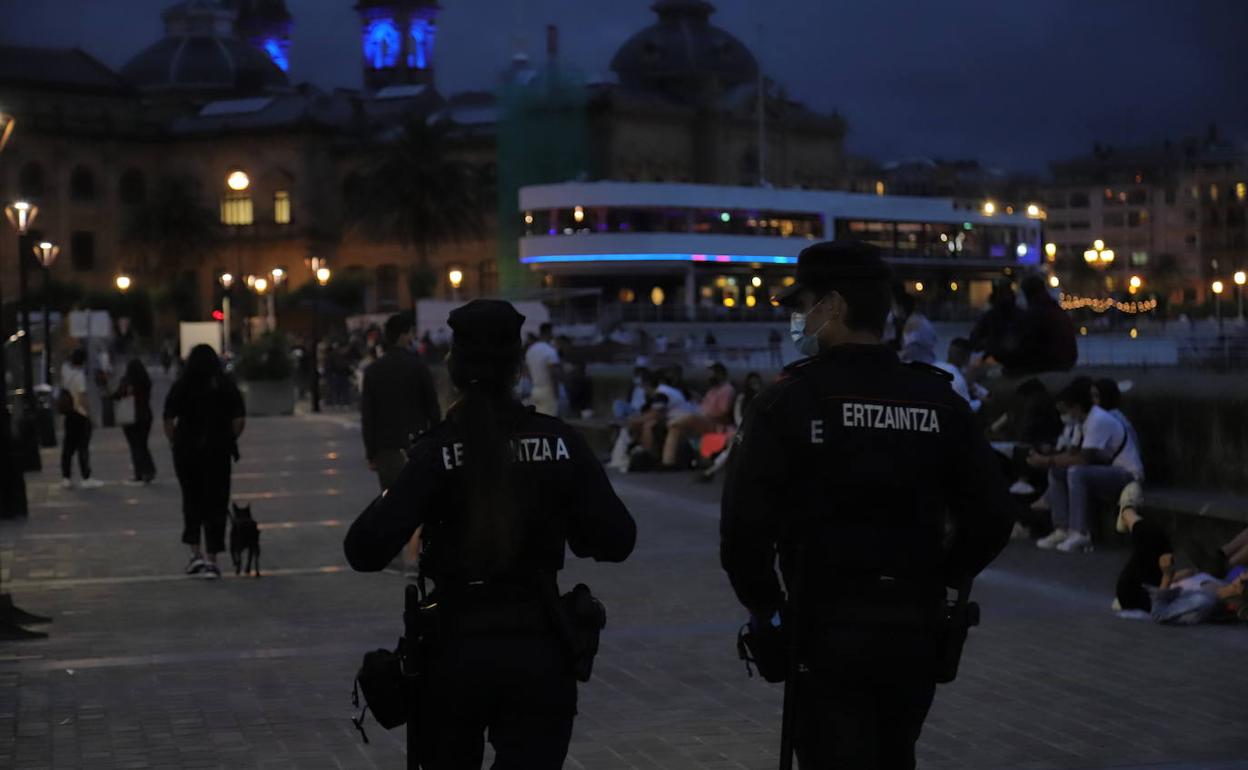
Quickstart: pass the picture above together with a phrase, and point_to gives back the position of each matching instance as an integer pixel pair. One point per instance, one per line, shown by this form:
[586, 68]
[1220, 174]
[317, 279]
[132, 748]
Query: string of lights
[1105, 304]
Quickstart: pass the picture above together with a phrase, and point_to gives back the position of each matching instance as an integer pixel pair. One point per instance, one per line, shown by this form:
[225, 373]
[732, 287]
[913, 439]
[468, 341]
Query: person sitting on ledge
[1101, 465]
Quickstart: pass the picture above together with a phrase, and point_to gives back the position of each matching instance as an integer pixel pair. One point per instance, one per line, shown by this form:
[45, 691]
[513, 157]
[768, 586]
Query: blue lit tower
[265, 24]
[397, 38]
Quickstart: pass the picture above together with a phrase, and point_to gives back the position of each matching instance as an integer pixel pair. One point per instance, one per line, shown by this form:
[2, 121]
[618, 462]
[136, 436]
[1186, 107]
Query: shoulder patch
[932, 370]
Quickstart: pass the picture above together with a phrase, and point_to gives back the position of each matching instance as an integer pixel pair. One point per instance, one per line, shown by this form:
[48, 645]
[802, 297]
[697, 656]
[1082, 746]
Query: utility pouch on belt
[579, 618]
[960, 615]
[765, 649]
[389, 680]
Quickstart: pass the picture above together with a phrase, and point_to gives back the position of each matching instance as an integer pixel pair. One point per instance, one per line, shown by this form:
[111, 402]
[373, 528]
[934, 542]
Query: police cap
[486, 323]
[823, 265]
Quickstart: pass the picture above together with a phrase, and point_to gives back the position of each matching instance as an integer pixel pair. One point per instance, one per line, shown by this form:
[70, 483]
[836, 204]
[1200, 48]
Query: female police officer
[496, 490]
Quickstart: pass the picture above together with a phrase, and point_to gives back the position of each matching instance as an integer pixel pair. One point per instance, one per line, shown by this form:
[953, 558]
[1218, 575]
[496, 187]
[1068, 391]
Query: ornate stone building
[94, 147]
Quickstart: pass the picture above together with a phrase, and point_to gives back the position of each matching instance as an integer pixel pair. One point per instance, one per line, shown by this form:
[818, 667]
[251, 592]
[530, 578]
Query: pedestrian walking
[74, 405]
[542, 360]
[398, 402]
[136, 385]
[204, 416]
[500, 492]
[851, 467]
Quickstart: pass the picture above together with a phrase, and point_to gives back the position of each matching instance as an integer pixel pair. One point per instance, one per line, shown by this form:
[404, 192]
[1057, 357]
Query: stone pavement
[145, 668]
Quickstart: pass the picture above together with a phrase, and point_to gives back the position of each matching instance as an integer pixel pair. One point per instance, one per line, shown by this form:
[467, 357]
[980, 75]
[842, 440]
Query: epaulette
[929, 369]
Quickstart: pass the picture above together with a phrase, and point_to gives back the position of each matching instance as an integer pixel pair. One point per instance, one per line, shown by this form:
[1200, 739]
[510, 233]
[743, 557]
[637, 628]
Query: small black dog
[244, 536]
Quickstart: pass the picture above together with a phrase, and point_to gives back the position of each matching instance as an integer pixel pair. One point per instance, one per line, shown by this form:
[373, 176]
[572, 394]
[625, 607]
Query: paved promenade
[148, 669]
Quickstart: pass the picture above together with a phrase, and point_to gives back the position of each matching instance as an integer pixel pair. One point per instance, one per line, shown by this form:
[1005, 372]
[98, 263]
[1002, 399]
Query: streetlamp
[261, 286]
[1135, 284]
[21, 214]
[227, 280]
[1098, 256]
[322, 279]
[46, 252]
[12, 482]
[1218, 287]
[456, 277]
[1240, 279]
[123, 283]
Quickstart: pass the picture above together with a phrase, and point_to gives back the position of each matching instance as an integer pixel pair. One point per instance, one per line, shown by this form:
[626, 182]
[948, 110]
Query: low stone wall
[1193, 426]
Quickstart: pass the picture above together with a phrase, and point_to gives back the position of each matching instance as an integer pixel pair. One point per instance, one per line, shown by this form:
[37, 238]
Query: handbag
[124, 411]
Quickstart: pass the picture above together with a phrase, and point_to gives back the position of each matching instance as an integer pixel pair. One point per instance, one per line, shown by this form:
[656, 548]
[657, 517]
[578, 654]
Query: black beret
[822, 265]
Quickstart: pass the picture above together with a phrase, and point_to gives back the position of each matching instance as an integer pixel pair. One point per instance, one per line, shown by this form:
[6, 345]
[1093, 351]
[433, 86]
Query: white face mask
[806, 344]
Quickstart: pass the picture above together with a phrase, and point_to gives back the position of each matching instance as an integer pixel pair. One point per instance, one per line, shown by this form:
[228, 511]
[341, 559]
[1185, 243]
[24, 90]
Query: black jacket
[561, 493]
[398, 403]
[863, 459]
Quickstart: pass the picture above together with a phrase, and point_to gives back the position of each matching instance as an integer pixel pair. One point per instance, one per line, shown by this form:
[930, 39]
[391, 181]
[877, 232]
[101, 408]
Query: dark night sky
[1009, 82]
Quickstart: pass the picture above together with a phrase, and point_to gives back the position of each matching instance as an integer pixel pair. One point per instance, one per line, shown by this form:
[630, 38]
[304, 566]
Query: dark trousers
[863, 703]
[77, 442]
[205, 481]
[517, 686]
[140, 454]
[1148, 542]
[862, 723]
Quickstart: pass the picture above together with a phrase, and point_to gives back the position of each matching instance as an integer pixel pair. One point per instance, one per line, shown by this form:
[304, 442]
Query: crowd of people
[664, 423]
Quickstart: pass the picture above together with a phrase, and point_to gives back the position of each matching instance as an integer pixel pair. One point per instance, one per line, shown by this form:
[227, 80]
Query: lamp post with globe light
[1240, 279]
[46, 252]
[21, 214]
[1218, 287]
[12, 482]
[227, 281]
[322, 274]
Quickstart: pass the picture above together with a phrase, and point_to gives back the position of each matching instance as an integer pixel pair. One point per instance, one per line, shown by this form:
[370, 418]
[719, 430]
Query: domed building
[683, 53]
[203, 55]
[684, 107]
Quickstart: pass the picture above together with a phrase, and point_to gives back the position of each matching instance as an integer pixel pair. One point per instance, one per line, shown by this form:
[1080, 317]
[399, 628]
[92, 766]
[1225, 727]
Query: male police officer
[857, 463]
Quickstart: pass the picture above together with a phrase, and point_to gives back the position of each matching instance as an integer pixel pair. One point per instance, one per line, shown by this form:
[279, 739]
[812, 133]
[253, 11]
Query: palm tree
[413, 190]
[171, 231]
[168, 235]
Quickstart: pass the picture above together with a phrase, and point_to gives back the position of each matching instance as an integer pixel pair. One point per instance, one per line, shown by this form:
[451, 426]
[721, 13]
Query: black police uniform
[500, 663]
[861, 460]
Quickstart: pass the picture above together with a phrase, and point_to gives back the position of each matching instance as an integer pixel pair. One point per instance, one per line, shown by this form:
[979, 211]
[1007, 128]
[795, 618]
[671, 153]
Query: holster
[765, 649]
[579, 619]
[960, 615]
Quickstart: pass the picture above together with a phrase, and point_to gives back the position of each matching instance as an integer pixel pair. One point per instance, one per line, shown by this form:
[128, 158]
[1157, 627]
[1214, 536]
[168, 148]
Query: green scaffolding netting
[543, 138]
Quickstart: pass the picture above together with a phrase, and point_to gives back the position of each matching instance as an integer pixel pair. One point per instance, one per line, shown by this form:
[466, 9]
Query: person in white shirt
[1104, 462]
[956, 360]
[542, 360]
[77, 411]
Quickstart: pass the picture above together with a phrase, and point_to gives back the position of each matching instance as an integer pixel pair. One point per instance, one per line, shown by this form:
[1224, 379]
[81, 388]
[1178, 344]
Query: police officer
[497, 491]
[857, 463]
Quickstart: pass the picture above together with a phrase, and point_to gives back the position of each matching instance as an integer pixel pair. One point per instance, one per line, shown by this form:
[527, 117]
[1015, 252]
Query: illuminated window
[1213, 192]
[381, 44]
[281, 207]
[236, 208]
[879, 188]
[1241, 191]
[421, 54]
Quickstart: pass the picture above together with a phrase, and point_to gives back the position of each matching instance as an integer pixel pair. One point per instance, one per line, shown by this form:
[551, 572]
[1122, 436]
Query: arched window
[82, 184]
[30, 181]
[133, 187]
